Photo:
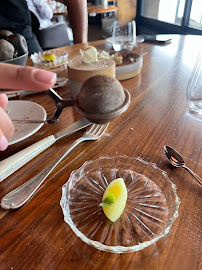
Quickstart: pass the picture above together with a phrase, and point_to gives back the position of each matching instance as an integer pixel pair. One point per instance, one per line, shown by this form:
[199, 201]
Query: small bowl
[21, 60]
[131, 66]
[61, 58]
[151, 207]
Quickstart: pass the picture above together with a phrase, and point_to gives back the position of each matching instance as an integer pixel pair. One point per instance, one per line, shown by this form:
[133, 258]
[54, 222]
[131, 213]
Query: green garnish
[110, 199]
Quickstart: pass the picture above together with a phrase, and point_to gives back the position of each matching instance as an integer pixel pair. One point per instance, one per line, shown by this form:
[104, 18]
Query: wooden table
[92, 9]
[98, 9]
[36, 236]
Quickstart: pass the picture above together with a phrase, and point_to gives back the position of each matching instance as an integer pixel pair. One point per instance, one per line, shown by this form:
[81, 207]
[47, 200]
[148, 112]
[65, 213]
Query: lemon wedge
[90, 55]
[49, 56]
[114, 199]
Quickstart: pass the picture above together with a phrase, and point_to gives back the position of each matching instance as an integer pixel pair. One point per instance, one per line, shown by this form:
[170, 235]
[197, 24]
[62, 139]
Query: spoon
[177, 160]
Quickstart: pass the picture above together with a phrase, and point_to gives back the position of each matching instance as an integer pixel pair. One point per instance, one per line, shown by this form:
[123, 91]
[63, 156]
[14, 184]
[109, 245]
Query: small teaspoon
[177, 160]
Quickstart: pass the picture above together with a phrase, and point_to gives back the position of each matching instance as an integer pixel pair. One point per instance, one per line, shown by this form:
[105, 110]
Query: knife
[16, 161]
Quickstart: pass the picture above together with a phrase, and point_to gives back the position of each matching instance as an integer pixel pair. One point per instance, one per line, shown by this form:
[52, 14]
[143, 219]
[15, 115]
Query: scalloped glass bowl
[61, 58]
[151, 207]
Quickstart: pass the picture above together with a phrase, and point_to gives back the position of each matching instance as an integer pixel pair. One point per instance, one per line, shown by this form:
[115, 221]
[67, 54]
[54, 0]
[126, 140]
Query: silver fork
[19, 196]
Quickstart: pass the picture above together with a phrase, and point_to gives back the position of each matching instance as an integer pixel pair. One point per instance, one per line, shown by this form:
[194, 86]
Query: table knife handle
[19, 196]
[16, 161]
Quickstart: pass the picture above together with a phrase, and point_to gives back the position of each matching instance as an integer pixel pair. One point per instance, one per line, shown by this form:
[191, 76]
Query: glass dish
[151, 207]
[61, 58]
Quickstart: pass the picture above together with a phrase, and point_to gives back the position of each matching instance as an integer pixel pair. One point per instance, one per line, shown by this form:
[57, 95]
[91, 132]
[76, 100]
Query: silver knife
[16, 161]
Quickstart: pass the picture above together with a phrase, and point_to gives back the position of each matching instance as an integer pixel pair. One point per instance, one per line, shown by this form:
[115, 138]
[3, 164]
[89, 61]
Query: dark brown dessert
[5, 33]
[19, 43]
[6, 50]
[101, 94]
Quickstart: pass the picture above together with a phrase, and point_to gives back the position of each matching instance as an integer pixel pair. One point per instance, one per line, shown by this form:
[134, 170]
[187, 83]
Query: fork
[19, 196]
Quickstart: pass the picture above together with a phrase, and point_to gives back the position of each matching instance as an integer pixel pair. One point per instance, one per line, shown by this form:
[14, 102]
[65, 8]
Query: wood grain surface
[92, 9]
[36, 236]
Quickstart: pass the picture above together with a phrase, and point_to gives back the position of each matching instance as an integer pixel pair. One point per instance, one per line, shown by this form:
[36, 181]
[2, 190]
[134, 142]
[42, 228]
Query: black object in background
[157, 39]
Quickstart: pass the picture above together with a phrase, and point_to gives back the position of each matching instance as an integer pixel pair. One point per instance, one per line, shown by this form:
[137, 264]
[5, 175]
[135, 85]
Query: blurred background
[152, 17]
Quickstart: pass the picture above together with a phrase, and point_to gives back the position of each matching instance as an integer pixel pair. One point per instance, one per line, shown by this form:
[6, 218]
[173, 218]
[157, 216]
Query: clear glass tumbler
[194, 88]
[124, 35]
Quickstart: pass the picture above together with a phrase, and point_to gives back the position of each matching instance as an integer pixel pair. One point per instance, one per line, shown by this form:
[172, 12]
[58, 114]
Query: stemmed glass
[124, 36]
[194, 88]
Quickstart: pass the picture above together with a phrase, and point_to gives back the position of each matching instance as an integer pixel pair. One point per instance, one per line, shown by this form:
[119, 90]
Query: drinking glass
[124, 35]
[194, 88]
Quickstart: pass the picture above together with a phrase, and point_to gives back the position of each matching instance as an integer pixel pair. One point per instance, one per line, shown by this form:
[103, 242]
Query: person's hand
[24, 78]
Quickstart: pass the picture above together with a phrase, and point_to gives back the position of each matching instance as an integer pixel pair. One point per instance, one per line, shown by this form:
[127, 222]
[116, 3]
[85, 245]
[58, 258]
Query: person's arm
[24, 78]
[78, 15]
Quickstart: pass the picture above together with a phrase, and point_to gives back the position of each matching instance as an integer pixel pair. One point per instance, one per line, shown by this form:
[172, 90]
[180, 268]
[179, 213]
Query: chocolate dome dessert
[101, 94]
[19, 43]
[6, 50]
[5, 33]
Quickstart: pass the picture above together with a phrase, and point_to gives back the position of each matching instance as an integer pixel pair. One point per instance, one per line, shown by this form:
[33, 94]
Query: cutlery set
[16, 161]
[22, 194]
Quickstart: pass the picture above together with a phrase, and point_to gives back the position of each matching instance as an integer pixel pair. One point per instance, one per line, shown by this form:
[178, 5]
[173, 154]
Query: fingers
[6, 130]
[6, 124]
[25, 78]
[3, 142]
[3, 101]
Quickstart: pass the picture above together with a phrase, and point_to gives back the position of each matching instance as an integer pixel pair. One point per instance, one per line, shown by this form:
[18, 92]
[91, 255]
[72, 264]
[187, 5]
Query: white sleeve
[43, 9]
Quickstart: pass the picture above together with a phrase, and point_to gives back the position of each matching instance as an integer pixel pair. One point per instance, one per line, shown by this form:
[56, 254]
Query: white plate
[138, 39]
[20, 109]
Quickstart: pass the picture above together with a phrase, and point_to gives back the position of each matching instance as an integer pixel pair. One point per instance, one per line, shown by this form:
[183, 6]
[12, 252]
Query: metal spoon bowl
[177, 160]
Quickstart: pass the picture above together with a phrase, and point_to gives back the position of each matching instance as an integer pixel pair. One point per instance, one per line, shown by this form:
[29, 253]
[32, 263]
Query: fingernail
[44, 76]
[3, 143]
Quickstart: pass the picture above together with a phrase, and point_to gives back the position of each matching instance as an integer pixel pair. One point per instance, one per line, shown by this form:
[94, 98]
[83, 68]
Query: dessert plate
[131, 66]
[20, 109]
